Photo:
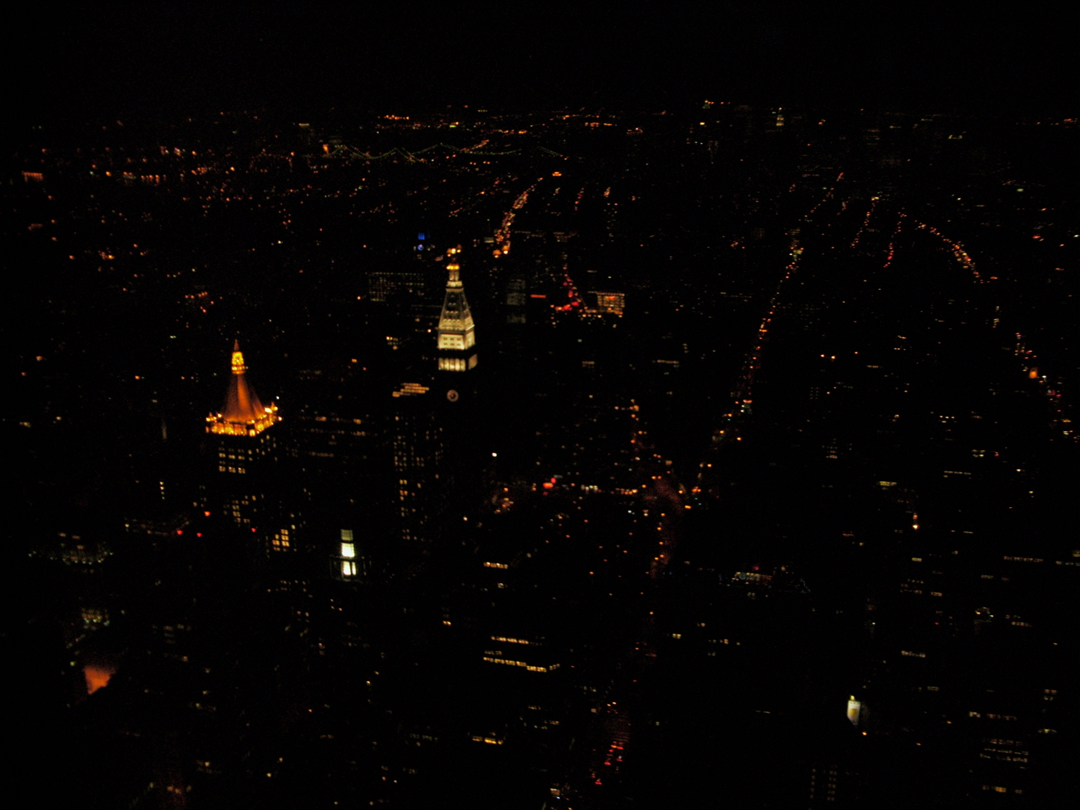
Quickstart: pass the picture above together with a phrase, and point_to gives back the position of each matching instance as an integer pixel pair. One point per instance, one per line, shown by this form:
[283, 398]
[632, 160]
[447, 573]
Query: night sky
[120, 57]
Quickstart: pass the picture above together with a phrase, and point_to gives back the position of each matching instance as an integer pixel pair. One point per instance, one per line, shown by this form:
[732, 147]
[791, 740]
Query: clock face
[452, 395]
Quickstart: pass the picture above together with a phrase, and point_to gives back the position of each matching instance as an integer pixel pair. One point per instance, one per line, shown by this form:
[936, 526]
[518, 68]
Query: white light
[348, 550]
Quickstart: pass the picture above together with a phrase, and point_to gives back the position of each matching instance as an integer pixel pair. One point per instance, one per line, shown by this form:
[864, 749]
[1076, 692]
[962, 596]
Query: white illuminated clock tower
[457, 333]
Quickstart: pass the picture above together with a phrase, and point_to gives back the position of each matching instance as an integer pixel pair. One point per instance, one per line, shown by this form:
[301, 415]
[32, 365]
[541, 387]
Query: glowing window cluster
[511, 640]
[512, 663]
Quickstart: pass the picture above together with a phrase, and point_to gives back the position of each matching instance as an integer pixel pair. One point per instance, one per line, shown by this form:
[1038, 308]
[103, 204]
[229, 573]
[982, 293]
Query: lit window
[348, 568]
[348, 550]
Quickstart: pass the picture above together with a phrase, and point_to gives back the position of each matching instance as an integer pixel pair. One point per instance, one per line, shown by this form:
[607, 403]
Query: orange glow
[243, 414]
[220, 423]
[1033, 374]
[97, 676]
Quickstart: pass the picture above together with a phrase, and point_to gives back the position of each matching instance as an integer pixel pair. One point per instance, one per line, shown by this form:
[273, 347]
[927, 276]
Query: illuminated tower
[457, 333]
[242, 414]
[453, 433]
[245, 448]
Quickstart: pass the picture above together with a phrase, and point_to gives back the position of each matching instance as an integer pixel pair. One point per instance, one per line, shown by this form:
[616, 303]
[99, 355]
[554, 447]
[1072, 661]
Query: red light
[179, 531]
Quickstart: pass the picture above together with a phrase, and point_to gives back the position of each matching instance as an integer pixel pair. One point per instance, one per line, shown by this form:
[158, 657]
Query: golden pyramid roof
[243, 412]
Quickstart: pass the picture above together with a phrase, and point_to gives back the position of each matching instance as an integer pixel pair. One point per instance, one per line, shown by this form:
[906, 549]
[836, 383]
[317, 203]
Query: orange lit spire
[242, 414]
[238, 366]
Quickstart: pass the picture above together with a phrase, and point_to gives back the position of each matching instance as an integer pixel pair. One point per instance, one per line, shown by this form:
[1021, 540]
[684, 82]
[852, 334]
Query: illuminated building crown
[242, 414]
[457, 333]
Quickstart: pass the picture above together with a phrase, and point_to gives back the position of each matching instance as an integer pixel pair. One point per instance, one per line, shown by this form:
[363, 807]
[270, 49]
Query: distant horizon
[130, 57]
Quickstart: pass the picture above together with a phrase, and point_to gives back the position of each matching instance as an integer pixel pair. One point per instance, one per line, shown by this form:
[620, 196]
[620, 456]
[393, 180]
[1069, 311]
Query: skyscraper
[248, 487]
[457, 333]
[244, 446]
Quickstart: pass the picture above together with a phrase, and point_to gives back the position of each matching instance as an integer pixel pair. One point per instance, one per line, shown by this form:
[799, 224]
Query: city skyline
[608, 456]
